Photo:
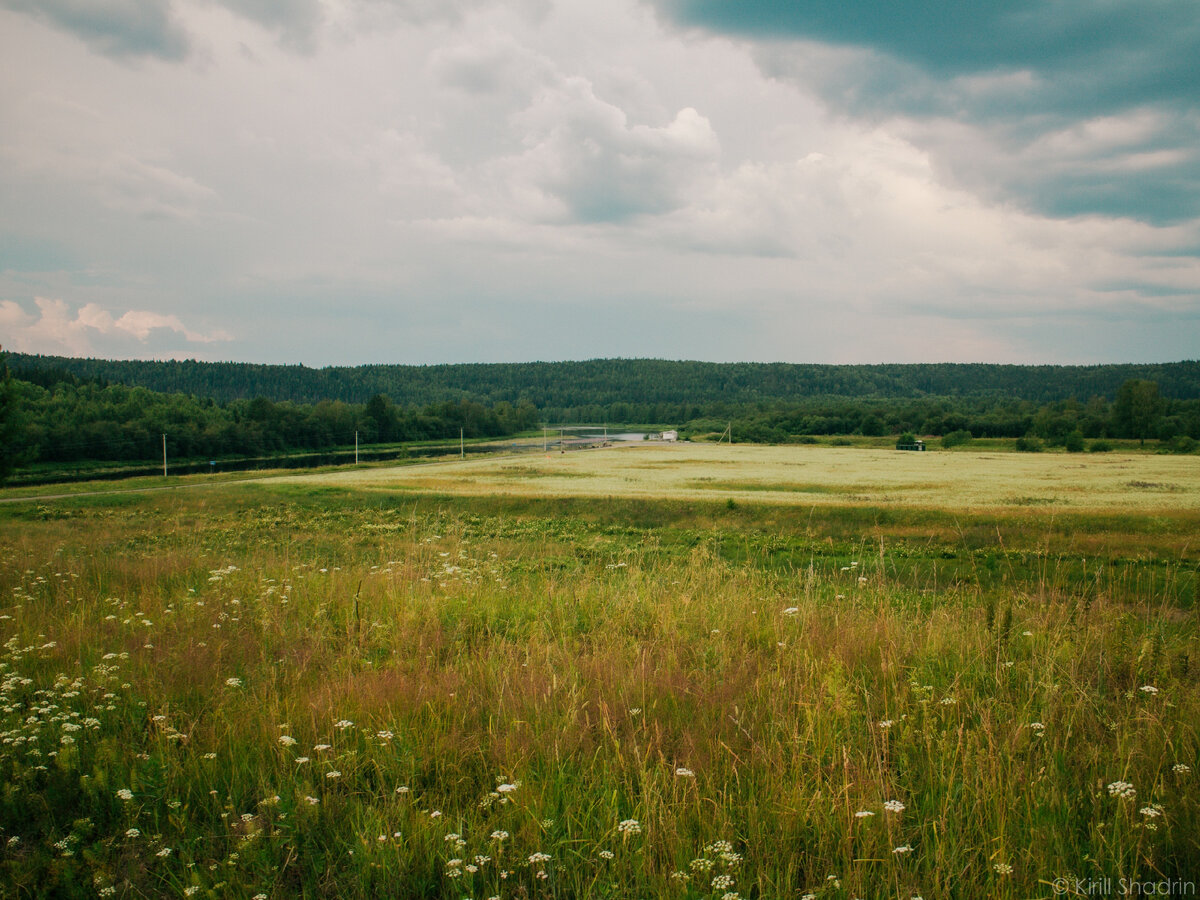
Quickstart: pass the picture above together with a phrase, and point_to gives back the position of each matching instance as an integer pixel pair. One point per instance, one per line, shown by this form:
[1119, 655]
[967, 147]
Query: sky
[339, 182]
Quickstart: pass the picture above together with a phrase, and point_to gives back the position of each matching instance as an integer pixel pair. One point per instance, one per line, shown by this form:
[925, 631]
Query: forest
[58, 417]
[628, 390]
[57, 409]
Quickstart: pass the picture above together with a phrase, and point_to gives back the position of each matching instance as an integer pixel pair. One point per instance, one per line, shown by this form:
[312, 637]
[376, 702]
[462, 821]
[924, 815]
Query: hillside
[564, 390]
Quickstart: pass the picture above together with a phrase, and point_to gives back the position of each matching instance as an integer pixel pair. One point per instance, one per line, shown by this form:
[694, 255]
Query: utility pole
[545, 438]
[356, 448]
[462, 450]
[164, 456]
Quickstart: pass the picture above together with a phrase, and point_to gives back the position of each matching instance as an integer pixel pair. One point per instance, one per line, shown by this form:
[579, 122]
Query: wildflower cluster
[1122, 789]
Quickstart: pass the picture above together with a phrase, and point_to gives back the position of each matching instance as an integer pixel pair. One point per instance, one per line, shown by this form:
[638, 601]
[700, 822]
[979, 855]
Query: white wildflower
[1122, 789]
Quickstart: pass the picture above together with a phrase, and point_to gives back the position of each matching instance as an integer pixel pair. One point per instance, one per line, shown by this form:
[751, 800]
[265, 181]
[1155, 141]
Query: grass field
[817, 475]
[684, 672]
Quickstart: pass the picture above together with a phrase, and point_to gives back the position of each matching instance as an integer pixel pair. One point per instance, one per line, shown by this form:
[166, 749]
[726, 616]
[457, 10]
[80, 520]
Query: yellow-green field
[656, 671]
[806, 475]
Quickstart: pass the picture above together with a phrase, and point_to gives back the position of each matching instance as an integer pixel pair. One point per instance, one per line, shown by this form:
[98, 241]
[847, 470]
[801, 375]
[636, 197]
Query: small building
[915, 445]
[670, 435]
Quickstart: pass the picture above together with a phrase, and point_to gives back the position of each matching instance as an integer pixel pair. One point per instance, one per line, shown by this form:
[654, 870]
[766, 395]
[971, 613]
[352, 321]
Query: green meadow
[677, 672]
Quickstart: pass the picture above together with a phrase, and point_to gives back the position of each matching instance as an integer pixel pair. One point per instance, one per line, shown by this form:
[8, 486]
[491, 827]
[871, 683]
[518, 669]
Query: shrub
[1029, 444]
[956, 438]
[1100, 447]
[1181, 443]
[1074, 442]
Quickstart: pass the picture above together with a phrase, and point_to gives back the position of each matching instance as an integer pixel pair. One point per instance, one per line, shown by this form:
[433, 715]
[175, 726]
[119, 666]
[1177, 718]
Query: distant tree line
[55, 409]
[621, 390]
[64, 418]
[1137, 411]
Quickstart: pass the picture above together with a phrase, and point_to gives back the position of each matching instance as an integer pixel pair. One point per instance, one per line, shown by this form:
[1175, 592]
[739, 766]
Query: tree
[12, 439]
[380, 420]
[1137, 409]
[872, 425]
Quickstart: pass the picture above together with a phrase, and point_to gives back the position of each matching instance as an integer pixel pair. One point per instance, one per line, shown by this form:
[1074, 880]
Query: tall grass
[285, 694]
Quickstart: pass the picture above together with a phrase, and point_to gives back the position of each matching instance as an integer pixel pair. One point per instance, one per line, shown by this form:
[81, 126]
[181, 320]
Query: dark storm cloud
[147, 28]
[1024, 75]
[1148, 50]
[119, 28]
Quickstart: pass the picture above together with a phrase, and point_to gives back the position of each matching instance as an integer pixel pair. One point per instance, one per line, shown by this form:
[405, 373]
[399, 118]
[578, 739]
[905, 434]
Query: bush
[907, 438]
[1029, 444]
[1074, 442]
[1181, 443]
[956, 438]
[1100, 447]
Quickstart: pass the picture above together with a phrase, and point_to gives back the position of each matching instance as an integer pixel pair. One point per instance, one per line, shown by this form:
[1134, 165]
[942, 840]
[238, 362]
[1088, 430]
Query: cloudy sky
[421, 181]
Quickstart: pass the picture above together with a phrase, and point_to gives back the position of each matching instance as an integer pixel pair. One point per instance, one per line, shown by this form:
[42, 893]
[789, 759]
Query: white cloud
[90, 330]
[585, 162]
[492, 64]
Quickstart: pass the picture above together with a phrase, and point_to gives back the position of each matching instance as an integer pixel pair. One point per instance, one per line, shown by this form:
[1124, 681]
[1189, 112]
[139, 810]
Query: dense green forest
[1137, 412]
[55, 409]
[622, 390]
[58, 417]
